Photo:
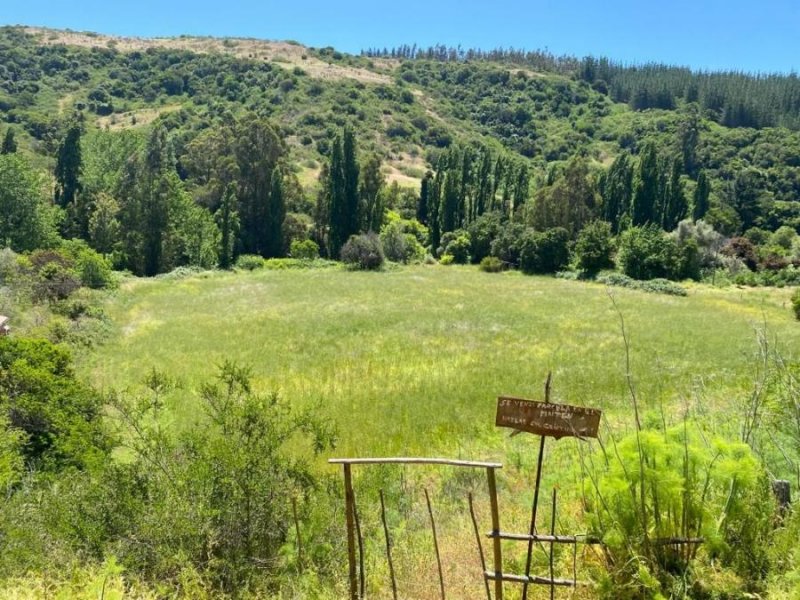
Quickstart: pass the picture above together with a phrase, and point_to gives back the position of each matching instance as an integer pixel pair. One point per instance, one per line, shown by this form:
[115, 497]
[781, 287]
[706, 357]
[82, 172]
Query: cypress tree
[424, 198]
[701, 194]
[68, 168]
[646, 194]
[9, 143]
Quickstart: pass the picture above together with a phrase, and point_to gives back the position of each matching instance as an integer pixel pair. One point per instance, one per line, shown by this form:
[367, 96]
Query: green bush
[250, 262]
[656, 286]
[660, 484]
[796, 304]
[304, 249]
[400, 243]
[459, 248]
[648, 253]
[507, 244]
[595, 247]
[491, 264]
[363, 252]
[544, 252]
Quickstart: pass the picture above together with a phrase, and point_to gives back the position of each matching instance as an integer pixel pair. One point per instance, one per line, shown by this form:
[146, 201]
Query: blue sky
[729, 34]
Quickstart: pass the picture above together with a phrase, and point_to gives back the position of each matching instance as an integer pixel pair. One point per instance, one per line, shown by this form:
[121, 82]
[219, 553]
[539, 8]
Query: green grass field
[410, 361]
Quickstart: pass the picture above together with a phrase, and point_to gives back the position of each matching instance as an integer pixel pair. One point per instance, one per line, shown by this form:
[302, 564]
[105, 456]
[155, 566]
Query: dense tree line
[735, 99]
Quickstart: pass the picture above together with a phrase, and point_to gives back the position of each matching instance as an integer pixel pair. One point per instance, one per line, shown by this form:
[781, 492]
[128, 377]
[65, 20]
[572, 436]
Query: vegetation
[135, 181]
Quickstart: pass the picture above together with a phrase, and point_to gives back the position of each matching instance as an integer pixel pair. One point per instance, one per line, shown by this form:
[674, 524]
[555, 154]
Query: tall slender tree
[423, 207]
[372, 182]
[9, 143]
[275, 216]
[228, 222]
[617, 191]
[68, 167]
[646, 196]
[675, 205]
[344, 170]
[701, 193]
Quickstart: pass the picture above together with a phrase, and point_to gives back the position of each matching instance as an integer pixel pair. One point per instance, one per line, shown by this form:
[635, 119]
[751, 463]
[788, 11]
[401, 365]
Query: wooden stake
[535, 506]
[480, 546]
[349, 503]
[361, 578]
[552, 533]
[388, 548]
[498, 552]
[435, 544]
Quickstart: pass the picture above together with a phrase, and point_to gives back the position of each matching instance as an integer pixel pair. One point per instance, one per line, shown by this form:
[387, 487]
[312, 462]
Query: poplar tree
[675, 207]
[275, 216]
[646, 188]
[372, 181]
[228, 222]
[424, 198]
[701, 194]
[617, 191]
[344, 217]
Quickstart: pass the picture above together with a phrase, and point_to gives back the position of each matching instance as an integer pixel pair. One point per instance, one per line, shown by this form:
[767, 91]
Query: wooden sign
[542, 418]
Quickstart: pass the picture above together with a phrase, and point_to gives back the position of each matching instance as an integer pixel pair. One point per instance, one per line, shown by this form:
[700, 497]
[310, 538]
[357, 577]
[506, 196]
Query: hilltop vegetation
[185, 217]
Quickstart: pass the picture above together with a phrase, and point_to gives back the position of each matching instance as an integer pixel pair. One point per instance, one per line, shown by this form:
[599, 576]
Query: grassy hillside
[404, 110]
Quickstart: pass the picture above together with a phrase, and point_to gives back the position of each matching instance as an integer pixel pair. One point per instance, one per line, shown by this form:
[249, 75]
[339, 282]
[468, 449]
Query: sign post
[546, 420]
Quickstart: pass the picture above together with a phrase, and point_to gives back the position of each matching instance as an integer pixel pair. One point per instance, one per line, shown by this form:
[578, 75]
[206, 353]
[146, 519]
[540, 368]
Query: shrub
[507, 245]
[544, 252]
[458, 248]
[743, 249]
[656, 286]
[482, 232]
[447, 259]
[796, 304]
[400, 245]
[304, 249]
[662, 484]
[363, 252]
[249, 262]
[594, 247]
[491, 264]
[648, 253]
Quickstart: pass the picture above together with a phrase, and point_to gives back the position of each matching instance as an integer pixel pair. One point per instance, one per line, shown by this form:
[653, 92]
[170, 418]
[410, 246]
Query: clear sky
[751, 35]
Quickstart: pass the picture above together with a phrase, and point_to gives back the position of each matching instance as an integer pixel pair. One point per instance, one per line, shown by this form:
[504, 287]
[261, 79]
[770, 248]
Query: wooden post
[360, 539]
[435, 544]
[480, 547]
[349, 507]
[498, 552]
[388, 548]
[535, 506]
[552, 535]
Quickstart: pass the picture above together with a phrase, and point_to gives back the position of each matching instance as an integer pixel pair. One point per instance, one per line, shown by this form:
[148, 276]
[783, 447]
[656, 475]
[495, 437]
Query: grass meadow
[410, 362]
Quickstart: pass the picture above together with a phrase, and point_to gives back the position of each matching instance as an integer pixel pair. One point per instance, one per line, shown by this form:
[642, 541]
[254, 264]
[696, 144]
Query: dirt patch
[284, 54]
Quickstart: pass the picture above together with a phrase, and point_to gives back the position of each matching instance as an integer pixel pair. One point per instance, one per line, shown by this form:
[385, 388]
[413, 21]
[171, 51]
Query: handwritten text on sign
[541, 418]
